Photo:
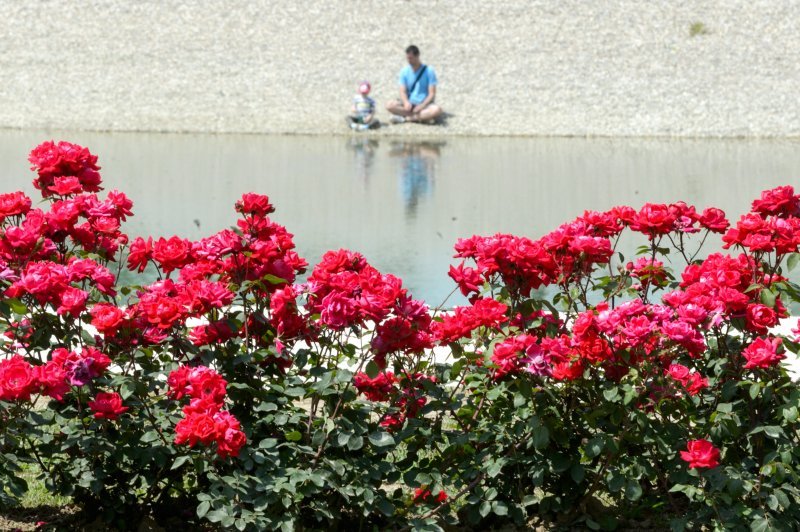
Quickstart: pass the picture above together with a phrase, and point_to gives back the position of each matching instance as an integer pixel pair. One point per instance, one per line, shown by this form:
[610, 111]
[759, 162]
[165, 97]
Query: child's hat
[364, 87]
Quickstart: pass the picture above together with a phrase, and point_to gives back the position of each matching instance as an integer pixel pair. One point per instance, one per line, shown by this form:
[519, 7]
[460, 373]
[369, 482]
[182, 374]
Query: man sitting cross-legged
[417, 92]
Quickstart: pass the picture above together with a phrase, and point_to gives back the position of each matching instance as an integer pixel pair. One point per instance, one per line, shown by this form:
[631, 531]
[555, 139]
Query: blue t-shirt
[407, 77]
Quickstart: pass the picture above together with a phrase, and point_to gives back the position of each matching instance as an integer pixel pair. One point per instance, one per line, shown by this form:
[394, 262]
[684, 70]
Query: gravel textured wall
[526, 67]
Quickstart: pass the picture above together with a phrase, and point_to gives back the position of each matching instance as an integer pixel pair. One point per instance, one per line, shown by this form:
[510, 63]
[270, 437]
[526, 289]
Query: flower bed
[239, 395]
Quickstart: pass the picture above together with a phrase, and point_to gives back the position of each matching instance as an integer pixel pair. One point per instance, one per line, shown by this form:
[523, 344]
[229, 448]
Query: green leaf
[773, 431]
[792, 261]
[386, 507]
[615, 481]
[149, 436]
[295, 435]
[381, 439]
[355, 443]
[760, 524]
[755, 388]
[499, 508]
[179, 461]
[725, 408]
[768, 298]
[612, 394]
[595, 446]
[273, 279]
[633, 491]
[541, 437]
[372, 369]
[17, 306]
[202, 509]
[495, 467]
[577, 473]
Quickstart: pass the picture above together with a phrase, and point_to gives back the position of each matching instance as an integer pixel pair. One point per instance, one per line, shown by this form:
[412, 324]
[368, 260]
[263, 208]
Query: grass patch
[37, 494]
[39, 509]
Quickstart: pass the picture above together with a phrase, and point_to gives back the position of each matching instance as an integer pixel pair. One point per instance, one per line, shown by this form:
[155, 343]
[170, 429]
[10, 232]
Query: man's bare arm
[428, 99]
[404, 97]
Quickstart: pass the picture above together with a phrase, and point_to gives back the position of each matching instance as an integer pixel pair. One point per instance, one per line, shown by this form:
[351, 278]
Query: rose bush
[228, 382]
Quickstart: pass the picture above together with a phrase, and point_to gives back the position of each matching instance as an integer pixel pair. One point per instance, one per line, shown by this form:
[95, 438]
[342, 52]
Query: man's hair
[412, 50]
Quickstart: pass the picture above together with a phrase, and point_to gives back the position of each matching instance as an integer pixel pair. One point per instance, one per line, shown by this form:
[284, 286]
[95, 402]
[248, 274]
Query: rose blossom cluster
[406, 395]
[572, 250]
[205, 422]
[65, 288]
[19, 378]
[259, 249]
[691, 381]
[649, 272]
[201, 280]
[614, 339]
[64, 169]
[483, 312]
[208, 272]
[75, 219]
[346, 291]
[772, 225]
[722, 288]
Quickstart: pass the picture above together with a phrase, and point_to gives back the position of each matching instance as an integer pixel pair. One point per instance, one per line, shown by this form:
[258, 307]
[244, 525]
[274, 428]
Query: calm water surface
[404, 204]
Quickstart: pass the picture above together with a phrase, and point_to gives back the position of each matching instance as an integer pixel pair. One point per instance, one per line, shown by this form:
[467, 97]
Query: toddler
[362, 115]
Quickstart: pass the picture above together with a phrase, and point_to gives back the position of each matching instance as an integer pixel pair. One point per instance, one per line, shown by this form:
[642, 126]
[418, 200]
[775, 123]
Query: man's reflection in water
[417, 171]
[364, 153]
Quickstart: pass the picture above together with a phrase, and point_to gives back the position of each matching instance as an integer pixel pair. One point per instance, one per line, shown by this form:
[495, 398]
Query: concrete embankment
[525, 67]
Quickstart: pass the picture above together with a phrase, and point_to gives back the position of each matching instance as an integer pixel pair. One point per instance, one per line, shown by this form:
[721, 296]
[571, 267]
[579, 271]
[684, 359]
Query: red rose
[231, 443]
[760, 318]
[678, 372]
[568, 370]
[107, 318]
[82, 367]
[469, 280]
[714, 220]
[230, 438]
[17, 379]
[162, 312]
[654, 219]
[73, 302]
[207, 384]
[107, 406]
[107, 225]
[178, 382]
[700, 454]
[65, 186]
[780, 201]
[762, 353]
[378, 389]
[14, 203]
[52, 379]
[140, 253]
[196, 428]
[252, 203]
[423, 494]
[695, 384]
[172, 254]
[339, 311]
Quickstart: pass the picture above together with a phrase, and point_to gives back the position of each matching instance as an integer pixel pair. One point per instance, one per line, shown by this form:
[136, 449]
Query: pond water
[404, 203]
